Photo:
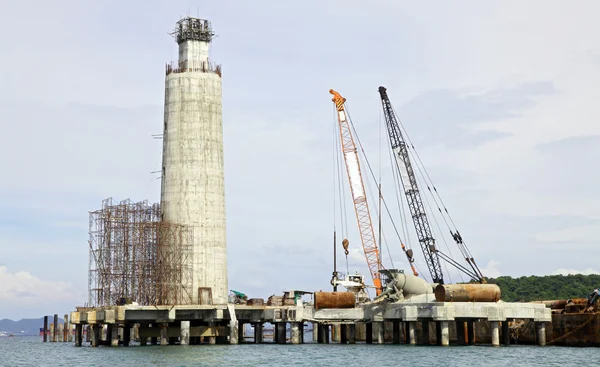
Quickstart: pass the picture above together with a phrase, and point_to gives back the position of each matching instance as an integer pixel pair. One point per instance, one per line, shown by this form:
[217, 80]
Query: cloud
[572, 272]
[24, 289]
[491, 270]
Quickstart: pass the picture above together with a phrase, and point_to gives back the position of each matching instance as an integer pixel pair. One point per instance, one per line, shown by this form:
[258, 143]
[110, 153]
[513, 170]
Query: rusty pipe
[467, 293]
[334, 300]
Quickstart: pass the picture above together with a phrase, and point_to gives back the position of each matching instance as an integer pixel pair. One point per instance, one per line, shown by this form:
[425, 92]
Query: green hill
[550, 287]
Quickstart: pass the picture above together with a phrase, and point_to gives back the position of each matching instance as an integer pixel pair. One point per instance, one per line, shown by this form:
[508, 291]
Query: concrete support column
[280, 333]
[412, 332]
[541, 333]
[87, 333]
[471, 332]
[381, 333]
[55, 329]
[369, 334]
[315, 331]
[78, 335]
[495, 333]
[94, 332]
[295, 336]
[212, 339]
[301, 328]
[324, 333]
[351, 333]
[396, 332]
[505, 333]
[184, 334]
[444, 333]
[113, 331]
[460, 332]
[438, 333]
[164, 334]
[343, 334]
[233, 331]
[425, 333]
[258, 332]
[240, 332]
[126, 334]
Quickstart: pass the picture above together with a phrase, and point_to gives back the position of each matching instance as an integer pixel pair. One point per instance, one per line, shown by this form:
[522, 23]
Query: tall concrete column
[541, 331]
[380, 332]
[412, 332]
[444, 333]
[193, 190]
[233, 332]
[352, 333]
[505, 333]
[164, 334]
[94, 332]
[114, 334]
[460, 332]
[184, 334]
[280, 333]
[495, 333]
[315, 331]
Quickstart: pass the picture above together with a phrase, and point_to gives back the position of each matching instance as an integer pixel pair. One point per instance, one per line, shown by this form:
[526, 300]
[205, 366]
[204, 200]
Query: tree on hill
[550, 287]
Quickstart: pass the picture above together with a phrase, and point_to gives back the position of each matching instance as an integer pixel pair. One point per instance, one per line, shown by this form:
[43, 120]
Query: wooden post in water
[45, 337]
[55, 331]
[51, 332]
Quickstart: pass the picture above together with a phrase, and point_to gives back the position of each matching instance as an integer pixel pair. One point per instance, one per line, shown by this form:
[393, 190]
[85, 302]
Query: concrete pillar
[94, 332]
[471, 332]
[315, 331]
[126, 334]
[343, 334]
[240, 332]
[351, 333]
[495, 333]
[380, 332]
[324, 333]
[295, 336]
[280, 333]
[301, 329]
[234, 336]
[444, 333]
[369, 335]
[396, 332]
[78, 335]
[505, 333]
[258, 332]
[425, 333]
[412, 332]
[460, 332]
[212, 339]
[55, 330]
[541, 333]
[87, 333]
[65, 328]
[184, 334]
[114, 335]
[164, 334]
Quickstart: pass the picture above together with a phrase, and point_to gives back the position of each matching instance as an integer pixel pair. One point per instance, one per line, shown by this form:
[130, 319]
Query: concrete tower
[193, 191]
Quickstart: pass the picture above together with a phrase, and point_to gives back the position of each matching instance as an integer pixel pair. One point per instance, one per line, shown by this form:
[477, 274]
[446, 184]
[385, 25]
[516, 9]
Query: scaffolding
[136, 257]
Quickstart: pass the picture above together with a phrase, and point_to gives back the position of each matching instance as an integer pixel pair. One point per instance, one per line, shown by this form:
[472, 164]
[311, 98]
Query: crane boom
[357, 188]
[411, 190]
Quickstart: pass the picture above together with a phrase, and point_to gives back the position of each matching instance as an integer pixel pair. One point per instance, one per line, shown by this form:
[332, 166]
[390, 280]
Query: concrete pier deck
[186, 324]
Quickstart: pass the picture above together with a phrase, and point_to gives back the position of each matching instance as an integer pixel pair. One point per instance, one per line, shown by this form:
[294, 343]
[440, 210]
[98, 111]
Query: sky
[499, 99]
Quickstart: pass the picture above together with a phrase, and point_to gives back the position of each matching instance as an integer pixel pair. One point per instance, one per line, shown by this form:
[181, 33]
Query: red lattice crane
[357, 187]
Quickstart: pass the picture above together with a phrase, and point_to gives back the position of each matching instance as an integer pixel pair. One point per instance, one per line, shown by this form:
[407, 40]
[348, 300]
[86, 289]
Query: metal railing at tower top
[193, 66]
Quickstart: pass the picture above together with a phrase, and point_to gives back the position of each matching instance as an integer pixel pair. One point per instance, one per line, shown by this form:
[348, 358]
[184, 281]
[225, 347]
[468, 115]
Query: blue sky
[499, 98]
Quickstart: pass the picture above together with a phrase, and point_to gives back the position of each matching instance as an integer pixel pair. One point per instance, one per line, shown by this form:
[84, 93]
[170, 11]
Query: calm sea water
[30, 351]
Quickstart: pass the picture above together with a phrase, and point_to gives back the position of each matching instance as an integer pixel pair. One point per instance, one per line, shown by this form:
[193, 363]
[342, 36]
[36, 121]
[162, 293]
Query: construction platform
[381, 321]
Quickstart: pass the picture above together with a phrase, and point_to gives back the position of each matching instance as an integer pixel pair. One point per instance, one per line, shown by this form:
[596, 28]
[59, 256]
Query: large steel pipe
[467, 293]
[334, 300]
